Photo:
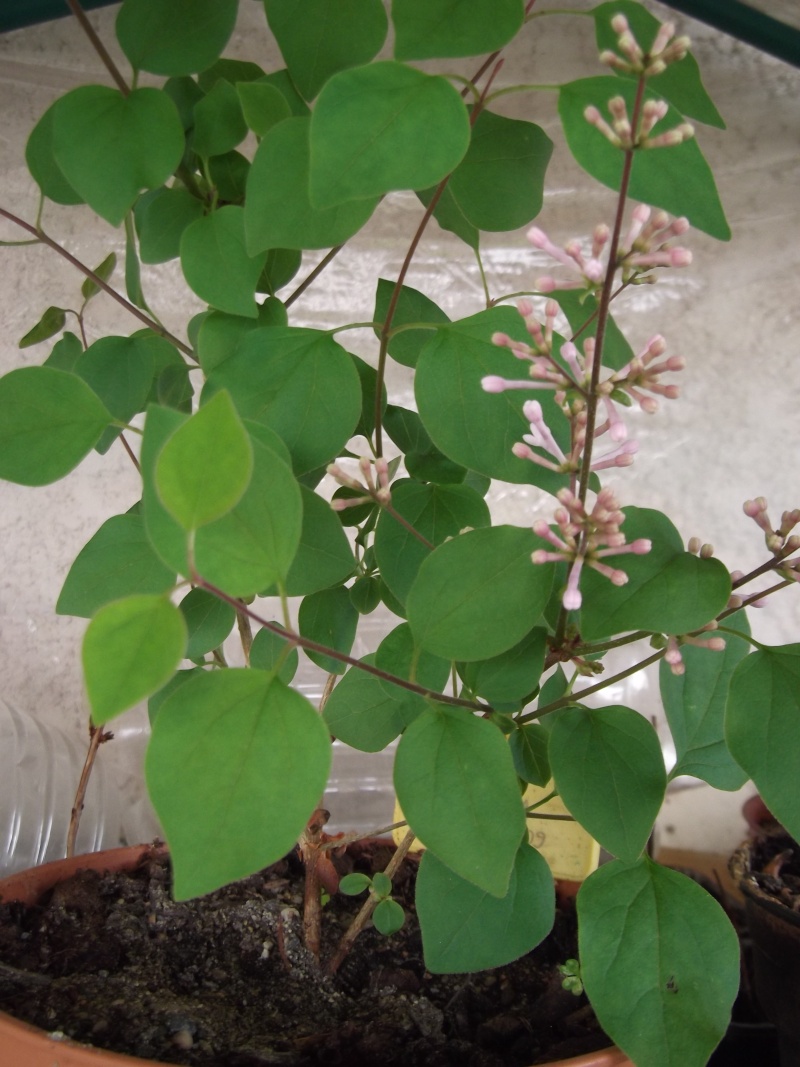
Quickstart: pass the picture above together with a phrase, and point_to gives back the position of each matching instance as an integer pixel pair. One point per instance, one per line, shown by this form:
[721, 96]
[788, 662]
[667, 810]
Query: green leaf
[120, 371]
[49, 420]
[228, 174]
[479, 594]
[668, 590]
[206, 465]
[456, 784]
[89, 286]
[398, 654]
[423, 460]
[165, 535]
[115, 562]
[433, 29]
[528, 746]
[579, 307]
[176, 681]
[677, 179]
[217, 265]
[466, 929]
[659, 961]
[230, 70]
[131, 648]
[388, 917]
[382, 127]
[283, 83]
[363, 713]
[435, 512]
[223, 748]
[365, 594]
[161, 217]
[263, 106]
[51, 323]
[680, 83]
[40, 157]
[301, 384]
[175, 36]
[694, 703]
[65, 353]
[219, 124]
[111, 146]
[353, 885]
[281, 266]
[513, 674]
[219, 337]
[762, 727]
[329, 618]
[317, 38]
[209, 621]
[609, 771]
[499, 184]
[472, 427]
[279, 212]
[324, 557]
[450, 216]
[412, 306]
[268, 650]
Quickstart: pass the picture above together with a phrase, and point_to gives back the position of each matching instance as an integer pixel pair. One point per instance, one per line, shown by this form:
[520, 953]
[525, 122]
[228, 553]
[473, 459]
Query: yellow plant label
[571, 853]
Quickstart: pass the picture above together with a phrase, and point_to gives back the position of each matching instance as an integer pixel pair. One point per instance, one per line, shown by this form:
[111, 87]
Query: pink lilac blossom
[633, 59]
[378, 492]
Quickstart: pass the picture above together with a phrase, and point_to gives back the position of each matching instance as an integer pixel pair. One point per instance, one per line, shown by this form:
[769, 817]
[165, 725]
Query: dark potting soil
[224, 981]
[775, 865]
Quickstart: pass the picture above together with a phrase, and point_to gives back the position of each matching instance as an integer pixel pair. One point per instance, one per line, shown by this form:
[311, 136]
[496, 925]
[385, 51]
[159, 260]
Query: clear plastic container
[40, 767]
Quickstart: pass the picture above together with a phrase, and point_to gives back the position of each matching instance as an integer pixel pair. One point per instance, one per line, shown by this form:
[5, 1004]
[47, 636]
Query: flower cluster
[584, 538]
[370, 491]
[665, 49]
[781, 542]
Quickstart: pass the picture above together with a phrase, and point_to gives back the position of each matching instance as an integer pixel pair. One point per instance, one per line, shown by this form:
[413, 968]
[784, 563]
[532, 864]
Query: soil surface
[225, 981]
[776, 865]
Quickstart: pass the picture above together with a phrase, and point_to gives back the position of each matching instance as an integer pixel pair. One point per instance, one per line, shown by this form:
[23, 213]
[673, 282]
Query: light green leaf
[223, 748]
[435, 512]
[49, 420]
[111, 146]
[51, 323]
[209, 621]
[324, 556]
[680, 83]
[298, 382]
[165, 535]
[450, 216]
[609, 771]
[116, 562]
[161, 217]
[465, 929]
[279, 212]
[677, 179]
[499, 184]
[479, 594]
[317, 38]
[219, 124]
[206, 465]
[263, 106]
[456, 784]
[131, 649]
[103, 272]
[659, 961]
[412, 306]
[217, 265]
[668, 590]
[388, 917]
[694, 703]
[329, 618]
[382, 127]
[175, 36]
[472, 427]
[762, 727]
[398, 654]
[65, 353]
[432, 29]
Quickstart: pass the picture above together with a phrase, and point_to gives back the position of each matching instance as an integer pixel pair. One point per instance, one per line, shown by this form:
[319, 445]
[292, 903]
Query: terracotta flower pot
[22, 1045]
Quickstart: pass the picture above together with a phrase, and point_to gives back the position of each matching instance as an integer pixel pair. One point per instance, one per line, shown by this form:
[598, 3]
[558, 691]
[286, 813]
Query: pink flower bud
[492, 383]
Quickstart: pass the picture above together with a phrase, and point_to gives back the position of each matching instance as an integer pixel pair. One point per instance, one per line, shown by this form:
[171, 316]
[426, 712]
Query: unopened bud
[706, 552]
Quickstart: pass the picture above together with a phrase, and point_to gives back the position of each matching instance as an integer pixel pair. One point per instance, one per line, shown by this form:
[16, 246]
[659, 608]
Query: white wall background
[734, 315]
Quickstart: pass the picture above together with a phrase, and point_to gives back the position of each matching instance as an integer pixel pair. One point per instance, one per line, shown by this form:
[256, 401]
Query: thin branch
[97, 737]
[98, 46]
[315, 273]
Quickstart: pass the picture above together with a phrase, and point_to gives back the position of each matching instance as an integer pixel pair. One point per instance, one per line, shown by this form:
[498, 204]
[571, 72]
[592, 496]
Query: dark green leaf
[317, 38]
[431, 29]
[175, 36]
[399, 655]
[330, 619]
[365, 595]
[457, 787]
[362, 713]
[263, 106]
[231, 70]
[269, 650]
[324, 557]
[465, 929]
[51, 323]
[677, 179]
[659, 961]
[209, 621]
[388, 917]
[382, 127]
[89, 286]
[450, 216]
[479, 594]
[229, 174]
[120, 371]
[40, 157]
[412, 306]
[283, 83]
[116, 562]
[219, 125]
[223, 748]
[281, 266]
[609, 771]
[216, 263]
[161, 217]
[499, 184]
[578, 308]
[528, 746]
[65, 353]
[513, 674]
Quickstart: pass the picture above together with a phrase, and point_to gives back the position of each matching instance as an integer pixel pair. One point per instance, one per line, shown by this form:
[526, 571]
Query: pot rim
[43, 1049]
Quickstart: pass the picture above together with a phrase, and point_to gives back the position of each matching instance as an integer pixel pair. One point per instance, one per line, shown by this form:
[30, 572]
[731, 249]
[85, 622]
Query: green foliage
[217, 265]
[659, 961]
[209, 621]
[51, 323]
[428, 29]
[328, 618]
[175, 36]
[412, 307]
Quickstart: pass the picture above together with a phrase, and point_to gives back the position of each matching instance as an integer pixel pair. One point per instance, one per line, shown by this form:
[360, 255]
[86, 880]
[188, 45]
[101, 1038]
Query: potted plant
[251, 483]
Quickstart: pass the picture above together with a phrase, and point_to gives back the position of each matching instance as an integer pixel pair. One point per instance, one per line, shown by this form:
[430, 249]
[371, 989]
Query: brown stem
[312, 898]
[245, 631]
[130, 452]
[364, 915]
[98, 46]
[405, 523]
[349, 839]
[315, 273]
[151, 324]
[96, 738]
